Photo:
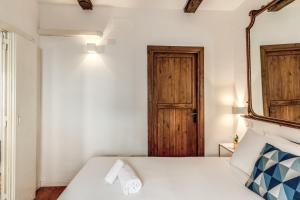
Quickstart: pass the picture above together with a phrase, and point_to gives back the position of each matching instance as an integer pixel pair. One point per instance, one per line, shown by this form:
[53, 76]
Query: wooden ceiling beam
[192, 6]
[86, 4]
[279, 5]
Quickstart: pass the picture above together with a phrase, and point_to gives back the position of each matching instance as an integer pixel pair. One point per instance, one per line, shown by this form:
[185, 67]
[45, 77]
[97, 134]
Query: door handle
[18, 120]
[195, 115]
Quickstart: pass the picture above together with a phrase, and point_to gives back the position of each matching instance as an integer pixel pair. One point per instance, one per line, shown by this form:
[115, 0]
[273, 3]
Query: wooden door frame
[199, 52]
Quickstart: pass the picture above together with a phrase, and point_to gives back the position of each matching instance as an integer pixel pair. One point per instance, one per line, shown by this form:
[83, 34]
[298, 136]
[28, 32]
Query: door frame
[8, 119]
[199, 52]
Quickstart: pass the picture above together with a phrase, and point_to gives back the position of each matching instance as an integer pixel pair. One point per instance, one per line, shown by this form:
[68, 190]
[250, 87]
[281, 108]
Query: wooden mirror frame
[251, 113]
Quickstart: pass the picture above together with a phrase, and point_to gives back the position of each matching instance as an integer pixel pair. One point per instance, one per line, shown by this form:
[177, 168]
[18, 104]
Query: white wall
[22, 14]
[97, 105]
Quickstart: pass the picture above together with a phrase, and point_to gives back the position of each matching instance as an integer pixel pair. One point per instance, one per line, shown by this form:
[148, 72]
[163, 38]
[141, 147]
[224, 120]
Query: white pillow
[284, 144]
[248, 151]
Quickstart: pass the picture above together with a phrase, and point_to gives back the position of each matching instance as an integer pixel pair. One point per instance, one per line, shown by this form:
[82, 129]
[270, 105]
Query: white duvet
[163, 179]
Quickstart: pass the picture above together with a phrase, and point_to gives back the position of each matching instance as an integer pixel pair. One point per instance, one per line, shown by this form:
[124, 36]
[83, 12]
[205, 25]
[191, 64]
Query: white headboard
[291, 134]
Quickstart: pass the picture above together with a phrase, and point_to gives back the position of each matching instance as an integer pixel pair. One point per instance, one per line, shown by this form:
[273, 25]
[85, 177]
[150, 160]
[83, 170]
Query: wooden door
[281, 81]
[176, 88]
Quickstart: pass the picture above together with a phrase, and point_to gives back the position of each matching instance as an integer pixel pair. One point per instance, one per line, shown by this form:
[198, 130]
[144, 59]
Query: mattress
[163, 179]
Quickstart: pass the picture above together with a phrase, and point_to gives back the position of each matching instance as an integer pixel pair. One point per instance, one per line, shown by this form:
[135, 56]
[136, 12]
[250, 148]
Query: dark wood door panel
[284, 73]
[289, 113]
[176, 133]
[281, 81]
[176, 113]
[172, 77]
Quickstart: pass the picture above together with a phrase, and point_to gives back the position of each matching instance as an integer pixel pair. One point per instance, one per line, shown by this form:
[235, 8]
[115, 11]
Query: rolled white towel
[114, 171]
[130, 182]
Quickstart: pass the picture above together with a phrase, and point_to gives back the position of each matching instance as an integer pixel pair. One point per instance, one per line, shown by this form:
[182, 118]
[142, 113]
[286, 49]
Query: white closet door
[27, 110]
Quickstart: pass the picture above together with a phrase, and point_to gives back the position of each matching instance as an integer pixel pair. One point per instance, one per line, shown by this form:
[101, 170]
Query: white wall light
[93, 48]
[239, 110]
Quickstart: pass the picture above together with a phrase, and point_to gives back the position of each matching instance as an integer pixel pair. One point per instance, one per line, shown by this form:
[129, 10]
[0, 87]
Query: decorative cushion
[276, 175]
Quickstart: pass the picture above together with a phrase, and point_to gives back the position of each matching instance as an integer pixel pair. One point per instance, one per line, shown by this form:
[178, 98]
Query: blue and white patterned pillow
[276, 175]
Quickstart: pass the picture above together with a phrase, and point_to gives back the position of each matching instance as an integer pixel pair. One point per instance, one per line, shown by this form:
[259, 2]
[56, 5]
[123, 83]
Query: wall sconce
[93, 48]
[240, 110]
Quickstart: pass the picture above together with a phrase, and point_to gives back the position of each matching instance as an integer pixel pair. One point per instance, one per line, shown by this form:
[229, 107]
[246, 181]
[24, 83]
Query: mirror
[274, 62]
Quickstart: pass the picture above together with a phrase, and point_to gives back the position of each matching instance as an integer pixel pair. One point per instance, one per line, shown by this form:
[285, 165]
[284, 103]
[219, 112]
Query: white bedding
[163, 179]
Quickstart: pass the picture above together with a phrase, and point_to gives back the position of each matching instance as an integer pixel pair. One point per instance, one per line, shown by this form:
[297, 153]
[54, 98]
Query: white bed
[163, 179]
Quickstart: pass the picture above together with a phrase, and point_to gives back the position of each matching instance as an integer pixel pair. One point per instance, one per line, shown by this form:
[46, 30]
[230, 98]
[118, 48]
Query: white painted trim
[53, 183]
[10, 28]
[39, 128]
[3, 117]
[13, 112]
[9, 143]
[68, 33]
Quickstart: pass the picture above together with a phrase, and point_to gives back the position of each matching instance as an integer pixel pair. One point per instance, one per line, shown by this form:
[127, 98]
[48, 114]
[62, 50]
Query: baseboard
[53, 183]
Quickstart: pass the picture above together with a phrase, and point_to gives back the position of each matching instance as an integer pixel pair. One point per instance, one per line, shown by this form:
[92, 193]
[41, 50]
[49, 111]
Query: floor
[49, 193]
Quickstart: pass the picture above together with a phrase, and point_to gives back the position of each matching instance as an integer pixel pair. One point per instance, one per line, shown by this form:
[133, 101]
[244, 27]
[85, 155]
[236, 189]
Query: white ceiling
[159, 4]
